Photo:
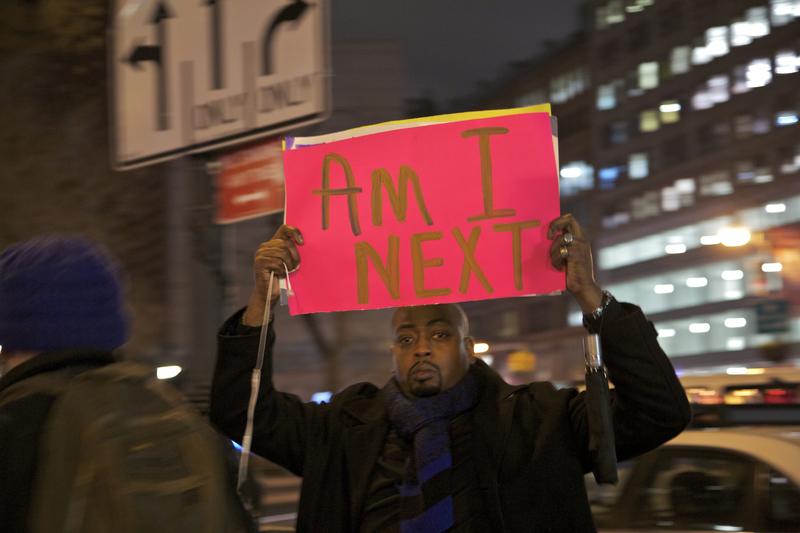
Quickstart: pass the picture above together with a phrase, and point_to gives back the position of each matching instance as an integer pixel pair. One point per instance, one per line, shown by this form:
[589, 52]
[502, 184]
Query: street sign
[772, 317]
[194, 75]
[250, 183]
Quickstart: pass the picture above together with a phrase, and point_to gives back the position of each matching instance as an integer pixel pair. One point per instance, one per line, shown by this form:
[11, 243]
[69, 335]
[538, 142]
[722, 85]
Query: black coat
[530, 441]
[21, 424]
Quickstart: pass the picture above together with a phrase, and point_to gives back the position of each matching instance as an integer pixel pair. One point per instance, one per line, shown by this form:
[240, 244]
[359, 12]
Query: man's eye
[404, 341]
[441, 335]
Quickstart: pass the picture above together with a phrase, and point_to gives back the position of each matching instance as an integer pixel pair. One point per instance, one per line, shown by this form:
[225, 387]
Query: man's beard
[429, 387]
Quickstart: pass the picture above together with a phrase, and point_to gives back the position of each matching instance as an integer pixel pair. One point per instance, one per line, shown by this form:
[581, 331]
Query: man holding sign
[446, 444]
[419, 217]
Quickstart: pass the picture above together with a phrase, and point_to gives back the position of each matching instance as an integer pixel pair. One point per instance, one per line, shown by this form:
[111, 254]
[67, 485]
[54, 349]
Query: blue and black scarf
[426, 499]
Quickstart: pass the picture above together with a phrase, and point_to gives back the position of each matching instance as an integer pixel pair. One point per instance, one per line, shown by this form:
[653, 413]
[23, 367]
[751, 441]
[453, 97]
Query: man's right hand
[275, 255]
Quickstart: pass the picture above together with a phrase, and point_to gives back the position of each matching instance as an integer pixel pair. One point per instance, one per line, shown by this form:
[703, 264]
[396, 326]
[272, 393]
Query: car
[741, 385]
[740, 478]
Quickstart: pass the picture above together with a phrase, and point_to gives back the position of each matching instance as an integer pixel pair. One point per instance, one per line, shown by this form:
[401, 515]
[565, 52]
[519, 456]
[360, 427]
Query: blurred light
[481, 347]
[696, 282]
[786, 118]
[733, 295]
[775, 208]
[735, 343]
[703, 395]
[708, 240]
[759, 73]
[670, 108]
[786, 62]
[734, 236]
[732, 275]
[771, 267]
[488, 359]
[322, 397]
[735, 322]
[664, 288]
[237, 446]
[675, 248]
[700, 327]
[743, 371]
[779, 396]
[168, 372]
[666, 332]
[727, 528]
[571, 172]
[609, 173]
[743, 396]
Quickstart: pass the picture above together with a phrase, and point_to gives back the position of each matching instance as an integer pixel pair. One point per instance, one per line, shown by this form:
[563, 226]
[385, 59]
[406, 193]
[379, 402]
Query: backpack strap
[52, 383]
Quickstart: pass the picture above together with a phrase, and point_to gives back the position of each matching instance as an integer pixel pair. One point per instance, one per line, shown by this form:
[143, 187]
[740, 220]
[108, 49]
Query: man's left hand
[571, 252]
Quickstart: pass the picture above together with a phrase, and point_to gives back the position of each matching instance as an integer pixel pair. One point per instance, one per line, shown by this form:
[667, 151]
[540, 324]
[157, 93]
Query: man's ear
[469, 345]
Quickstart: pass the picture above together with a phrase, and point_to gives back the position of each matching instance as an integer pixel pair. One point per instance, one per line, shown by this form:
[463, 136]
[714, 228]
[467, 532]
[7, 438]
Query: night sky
[452, 44]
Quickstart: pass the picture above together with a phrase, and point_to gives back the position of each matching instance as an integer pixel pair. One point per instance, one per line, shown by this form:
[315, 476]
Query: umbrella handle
[592, 352]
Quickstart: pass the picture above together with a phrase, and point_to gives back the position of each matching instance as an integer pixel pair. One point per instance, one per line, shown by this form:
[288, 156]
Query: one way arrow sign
[196, 75]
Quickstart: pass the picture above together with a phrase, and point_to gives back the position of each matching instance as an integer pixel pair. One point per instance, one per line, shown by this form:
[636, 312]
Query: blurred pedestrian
[89, 443]
[446, 444]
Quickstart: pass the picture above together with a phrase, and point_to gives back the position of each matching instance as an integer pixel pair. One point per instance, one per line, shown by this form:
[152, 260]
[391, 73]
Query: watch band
[591, 320]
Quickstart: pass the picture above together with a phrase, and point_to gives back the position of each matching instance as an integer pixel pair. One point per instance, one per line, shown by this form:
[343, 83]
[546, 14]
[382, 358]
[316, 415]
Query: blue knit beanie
[60, 293]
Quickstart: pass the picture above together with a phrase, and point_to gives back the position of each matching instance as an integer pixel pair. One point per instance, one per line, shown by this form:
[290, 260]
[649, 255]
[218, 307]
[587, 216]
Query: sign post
[190, 75]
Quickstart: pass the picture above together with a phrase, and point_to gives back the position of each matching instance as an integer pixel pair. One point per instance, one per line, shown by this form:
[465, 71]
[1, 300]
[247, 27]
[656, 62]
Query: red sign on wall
[250, 183]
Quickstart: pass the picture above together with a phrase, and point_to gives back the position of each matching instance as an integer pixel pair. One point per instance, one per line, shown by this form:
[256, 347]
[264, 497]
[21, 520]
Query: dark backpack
[123, 452]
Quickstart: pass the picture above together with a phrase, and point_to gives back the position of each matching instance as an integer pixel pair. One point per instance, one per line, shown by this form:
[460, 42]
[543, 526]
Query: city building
[684, 164]
[696, 153]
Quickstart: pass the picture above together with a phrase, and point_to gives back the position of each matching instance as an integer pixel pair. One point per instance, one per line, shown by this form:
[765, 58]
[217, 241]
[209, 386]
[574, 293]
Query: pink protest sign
[432, 214]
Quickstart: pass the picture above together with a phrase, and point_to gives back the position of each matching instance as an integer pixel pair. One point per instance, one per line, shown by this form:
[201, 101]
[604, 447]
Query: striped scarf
[426, 499]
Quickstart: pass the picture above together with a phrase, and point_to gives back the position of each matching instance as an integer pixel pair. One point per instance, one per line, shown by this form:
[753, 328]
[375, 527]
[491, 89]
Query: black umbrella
[598, 411]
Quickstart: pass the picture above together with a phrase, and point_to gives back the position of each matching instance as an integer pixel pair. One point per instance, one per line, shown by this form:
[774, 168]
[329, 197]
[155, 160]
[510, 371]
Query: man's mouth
[423, 372]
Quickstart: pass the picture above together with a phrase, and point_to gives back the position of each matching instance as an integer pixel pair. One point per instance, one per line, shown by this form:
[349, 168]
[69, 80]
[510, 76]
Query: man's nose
[422, 348]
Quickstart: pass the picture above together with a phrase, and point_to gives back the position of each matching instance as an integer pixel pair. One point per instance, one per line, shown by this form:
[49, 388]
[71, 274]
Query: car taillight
[779, 396]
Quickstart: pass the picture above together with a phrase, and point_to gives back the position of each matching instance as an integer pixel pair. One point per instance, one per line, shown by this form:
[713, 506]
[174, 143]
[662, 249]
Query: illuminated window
[679, 195]
[568, 86]
[614, 220]
[637, 6]
[609, 14]
[747, 125]
[784, 11]
[759, 73]
[716, 184]
[534, 97]
[607, 94]
[700, 54]
[717, 41]
[754, 25]
[670, 111]
[786, 118]
[680, 60]
[646, 206]
[618, 132]
[648, 120]
[753, 171]
[715, 91]
[638, 166]
[648, 75]
[608, 177]
[786, 62]
[576, 176]
[718, 89]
